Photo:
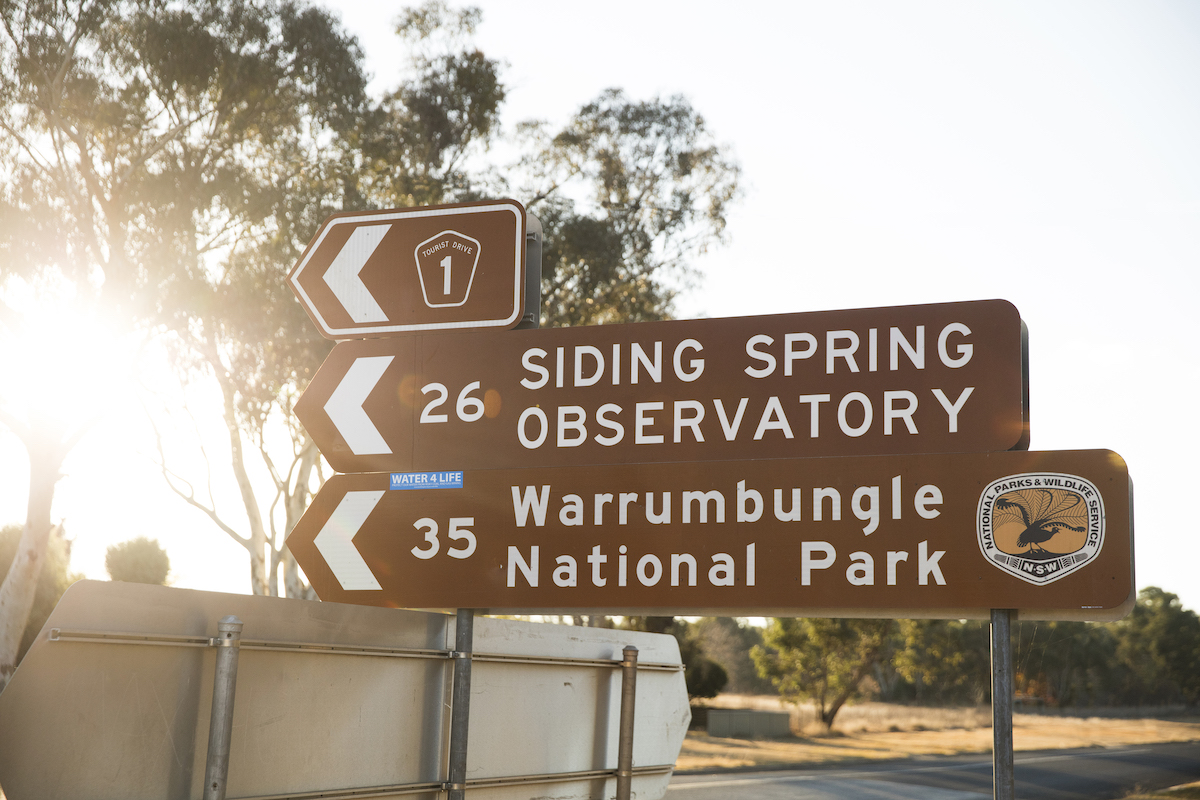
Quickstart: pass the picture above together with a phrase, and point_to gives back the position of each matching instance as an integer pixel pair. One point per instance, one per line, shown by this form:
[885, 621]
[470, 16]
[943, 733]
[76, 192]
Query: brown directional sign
[911, 379]
[948, 535]
[384, 273]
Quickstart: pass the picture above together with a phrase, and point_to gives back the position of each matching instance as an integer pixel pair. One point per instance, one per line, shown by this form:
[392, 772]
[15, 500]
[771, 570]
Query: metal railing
[228, 645]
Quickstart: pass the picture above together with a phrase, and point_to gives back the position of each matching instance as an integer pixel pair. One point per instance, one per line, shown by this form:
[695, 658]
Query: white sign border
[366, 331]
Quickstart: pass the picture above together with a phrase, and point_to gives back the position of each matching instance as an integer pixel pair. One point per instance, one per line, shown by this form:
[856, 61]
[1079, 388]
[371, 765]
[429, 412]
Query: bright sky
[894, 153]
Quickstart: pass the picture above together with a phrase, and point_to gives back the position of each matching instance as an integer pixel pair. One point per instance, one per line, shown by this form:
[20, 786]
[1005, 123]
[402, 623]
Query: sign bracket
[533, 274]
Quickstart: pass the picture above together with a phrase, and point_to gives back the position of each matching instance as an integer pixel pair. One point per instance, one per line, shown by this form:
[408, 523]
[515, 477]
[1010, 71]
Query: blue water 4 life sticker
[427, 480]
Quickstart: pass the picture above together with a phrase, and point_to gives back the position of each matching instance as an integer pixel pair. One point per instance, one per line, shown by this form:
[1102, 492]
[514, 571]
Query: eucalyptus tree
[945, 661]
[629, 194]
[141, 144]
[174, 158]
[234, 322]
[427, 141]
[54, 579]
[242, 328]
[652, 185]
[824, 660]
[254, 338]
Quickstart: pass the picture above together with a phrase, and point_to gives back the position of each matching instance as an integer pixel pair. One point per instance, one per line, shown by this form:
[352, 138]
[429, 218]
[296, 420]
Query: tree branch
[189, 496]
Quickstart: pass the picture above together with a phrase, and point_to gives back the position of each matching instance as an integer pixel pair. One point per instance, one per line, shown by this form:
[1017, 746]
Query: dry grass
[863, 717]
[1190, 791]
[872, 731]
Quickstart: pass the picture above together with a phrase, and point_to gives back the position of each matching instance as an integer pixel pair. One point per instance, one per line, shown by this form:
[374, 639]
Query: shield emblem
[446, 265]
[1040, 526]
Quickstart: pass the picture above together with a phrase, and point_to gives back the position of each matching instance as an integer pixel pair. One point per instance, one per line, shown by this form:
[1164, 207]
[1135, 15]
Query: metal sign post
[460, 704]
[1002, 704]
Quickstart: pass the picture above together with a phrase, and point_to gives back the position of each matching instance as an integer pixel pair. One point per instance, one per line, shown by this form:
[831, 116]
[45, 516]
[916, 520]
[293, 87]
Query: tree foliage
[140, 135]
[824, 660]
[172, 159]
[653, 189]
[140, 560]
[1147, 659]
[944, 661]
[1064, 663]
[141, 144]
[1158, 650]
[417, 143]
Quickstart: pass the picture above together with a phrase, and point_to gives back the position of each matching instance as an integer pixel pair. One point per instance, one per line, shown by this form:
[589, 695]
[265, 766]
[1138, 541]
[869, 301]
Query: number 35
[458, 532]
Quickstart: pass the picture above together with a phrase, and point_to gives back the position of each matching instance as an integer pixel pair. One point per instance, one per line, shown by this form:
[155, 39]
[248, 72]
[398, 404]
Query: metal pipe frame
[230, 644]
[220, 726]
[117, 637]
[625, 737]
[472, 783]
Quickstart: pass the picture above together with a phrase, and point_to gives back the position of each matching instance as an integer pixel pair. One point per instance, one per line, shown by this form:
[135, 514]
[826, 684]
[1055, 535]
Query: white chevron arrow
[342, 275]
[345, 406]
[336, 541]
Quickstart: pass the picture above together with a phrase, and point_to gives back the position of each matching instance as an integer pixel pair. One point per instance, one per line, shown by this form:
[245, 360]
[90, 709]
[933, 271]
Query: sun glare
[62, 364]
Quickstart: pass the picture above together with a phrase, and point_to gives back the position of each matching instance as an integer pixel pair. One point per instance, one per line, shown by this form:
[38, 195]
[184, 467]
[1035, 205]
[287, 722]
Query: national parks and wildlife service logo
[1040, 526]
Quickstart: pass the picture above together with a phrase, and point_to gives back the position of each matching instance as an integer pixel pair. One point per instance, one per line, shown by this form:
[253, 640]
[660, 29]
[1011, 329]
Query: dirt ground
[872, 731]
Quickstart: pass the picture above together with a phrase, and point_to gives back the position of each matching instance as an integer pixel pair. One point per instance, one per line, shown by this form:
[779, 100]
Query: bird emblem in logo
[1043, 514]
[1040, 527]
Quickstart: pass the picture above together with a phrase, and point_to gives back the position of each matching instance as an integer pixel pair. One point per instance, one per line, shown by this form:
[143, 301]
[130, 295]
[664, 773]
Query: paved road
[1088, 774]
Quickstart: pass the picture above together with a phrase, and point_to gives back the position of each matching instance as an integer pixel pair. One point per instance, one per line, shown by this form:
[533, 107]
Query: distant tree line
[1150, 658]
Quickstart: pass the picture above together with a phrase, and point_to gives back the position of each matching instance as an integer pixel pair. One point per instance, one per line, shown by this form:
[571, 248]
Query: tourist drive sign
[912, 379]
[384, 273]
[949, 535]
